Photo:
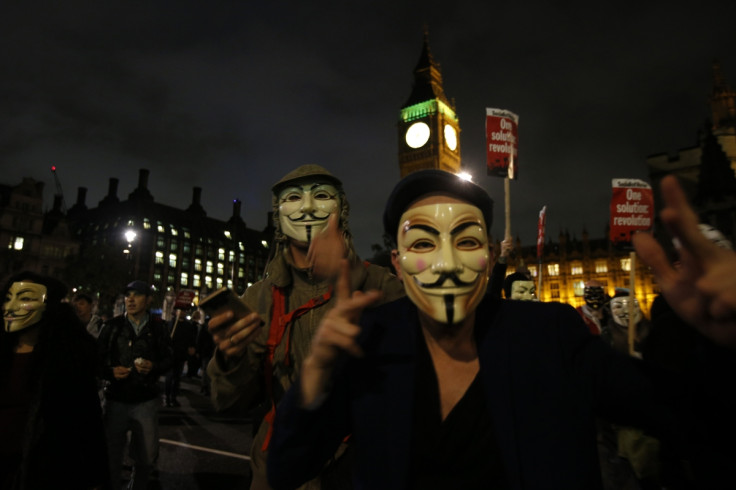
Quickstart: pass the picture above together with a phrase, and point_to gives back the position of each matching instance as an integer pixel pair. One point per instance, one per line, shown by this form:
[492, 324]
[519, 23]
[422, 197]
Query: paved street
[201, 449]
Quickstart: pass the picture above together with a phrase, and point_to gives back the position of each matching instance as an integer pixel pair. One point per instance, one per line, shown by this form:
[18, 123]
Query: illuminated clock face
[450, 137]
[417, 135]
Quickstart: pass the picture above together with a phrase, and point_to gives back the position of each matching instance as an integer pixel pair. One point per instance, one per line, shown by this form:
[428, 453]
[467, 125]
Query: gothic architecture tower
[428, 127]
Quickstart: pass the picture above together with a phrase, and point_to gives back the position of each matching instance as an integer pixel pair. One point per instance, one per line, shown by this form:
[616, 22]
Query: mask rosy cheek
[482, 263]
[421, 265]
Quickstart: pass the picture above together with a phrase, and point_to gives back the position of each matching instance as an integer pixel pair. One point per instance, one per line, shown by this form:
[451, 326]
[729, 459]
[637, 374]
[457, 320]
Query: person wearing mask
[258, 357]
[452, 388]
[51, 433]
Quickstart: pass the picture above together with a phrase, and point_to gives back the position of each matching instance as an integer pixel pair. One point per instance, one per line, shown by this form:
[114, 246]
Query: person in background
[136, 350]
[205, 350]
[520, 286]
[85, 305]
[51, 433]
[184, 342]
[592, 312]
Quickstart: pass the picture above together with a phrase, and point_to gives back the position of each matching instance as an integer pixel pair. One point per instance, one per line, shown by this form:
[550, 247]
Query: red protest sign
[185, 299]
[502, 137]
[632, 208]
[541, 224]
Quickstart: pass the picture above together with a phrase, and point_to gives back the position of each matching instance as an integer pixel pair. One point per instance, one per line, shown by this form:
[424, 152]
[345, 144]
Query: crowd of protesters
[328, 362]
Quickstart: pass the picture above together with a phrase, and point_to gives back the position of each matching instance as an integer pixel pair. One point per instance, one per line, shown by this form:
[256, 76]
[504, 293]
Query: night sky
[229, 96]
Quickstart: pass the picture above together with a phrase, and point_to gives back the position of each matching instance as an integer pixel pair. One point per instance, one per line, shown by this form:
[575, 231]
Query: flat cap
[303, 172]
[422, 182]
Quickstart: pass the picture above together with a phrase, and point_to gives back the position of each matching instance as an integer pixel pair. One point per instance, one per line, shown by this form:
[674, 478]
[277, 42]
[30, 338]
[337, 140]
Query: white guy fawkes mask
[444, 257]
[620, 311]
[305, 208]
[524, 291]
[24, 305]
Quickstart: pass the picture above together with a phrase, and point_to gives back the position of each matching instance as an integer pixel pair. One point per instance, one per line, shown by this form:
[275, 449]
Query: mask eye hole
[323, 195]
[468, 243]
[292, 197]
[422, 245]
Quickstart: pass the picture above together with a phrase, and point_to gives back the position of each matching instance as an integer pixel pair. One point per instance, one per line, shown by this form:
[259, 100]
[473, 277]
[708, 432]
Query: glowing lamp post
[130, 236]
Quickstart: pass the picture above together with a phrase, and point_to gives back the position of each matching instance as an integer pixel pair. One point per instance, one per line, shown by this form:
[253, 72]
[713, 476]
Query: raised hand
[337, 333]
[703, 290]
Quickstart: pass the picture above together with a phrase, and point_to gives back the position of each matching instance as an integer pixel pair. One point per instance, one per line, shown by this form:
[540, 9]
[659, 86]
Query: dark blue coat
[545, 379]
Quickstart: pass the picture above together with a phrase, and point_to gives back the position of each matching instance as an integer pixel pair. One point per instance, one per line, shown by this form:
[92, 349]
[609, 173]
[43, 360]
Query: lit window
[231, 256]
[221, 254]
[16, 243]
[533, 270]
[184, 279]
[241, 246]
[146, 224]
[197, 264]
[209, 267]
[230, 283]
[264, 243]
[159, 257]
[187, 234]
[160, 242]
[220, 268]
[576, 269]
[626, 264]
[601, 267]
[172, 260]
[196, 281]
[227, 235]
[219, 282]
[208, 281]
[553, 269]
[157, 276]
[174, 231]
[131, 223]
[578, 287]
[241, 272]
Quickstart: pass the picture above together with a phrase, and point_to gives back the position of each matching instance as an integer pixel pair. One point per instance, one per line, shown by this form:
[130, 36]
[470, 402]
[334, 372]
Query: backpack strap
[281, 323]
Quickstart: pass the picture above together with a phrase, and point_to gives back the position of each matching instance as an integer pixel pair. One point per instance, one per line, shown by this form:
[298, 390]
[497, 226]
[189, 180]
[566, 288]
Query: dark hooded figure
[51, 433]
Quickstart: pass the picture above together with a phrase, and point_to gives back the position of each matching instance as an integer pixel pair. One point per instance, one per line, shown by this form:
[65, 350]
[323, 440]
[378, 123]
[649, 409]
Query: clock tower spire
[428, 128]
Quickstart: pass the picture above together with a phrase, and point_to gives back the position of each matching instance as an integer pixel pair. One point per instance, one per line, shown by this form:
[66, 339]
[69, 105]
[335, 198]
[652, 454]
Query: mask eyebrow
[426, 228]
[462, 226]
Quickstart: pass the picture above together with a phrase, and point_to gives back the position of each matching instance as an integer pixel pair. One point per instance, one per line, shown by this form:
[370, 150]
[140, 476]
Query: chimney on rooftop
[112, 188]
[81, 196]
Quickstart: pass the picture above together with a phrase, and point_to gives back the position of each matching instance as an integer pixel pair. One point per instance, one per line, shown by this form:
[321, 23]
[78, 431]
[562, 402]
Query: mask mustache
[439, 283]
[309, 216]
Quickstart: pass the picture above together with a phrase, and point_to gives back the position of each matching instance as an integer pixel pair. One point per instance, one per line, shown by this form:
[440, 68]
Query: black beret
[422, 182]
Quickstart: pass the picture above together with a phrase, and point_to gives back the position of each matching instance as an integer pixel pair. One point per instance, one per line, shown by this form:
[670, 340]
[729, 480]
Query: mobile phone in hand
[223, 300]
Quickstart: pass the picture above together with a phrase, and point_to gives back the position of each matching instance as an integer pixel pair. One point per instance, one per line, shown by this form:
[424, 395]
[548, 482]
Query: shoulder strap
[281, 323]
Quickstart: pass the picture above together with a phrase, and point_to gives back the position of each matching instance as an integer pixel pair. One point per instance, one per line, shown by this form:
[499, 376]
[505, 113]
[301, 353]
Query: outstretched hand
[337, 333]
[703, 290]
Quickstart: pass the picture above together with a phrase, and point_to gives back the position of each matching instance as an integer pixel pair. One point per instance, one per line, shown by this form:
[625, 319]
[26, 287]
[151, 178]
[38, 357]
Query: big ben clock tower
[429, 131]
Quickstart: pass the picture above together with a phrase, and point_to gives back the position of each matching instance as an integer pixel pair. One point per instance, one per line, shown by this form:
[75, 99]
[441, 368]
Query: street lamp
[130, 236]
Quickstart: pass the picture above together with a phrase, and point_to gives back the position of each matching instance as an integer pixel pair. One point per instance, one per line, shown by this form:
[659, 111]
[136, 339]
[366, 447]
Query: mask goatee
[449, 307]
